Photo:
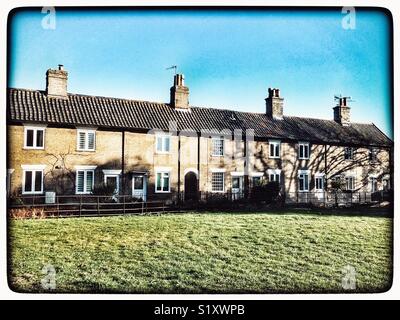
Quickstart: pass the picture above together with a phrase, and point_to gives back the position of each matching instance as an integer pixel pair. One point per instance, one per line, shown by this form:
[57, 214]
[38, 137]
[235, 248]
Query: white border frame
[392, 294]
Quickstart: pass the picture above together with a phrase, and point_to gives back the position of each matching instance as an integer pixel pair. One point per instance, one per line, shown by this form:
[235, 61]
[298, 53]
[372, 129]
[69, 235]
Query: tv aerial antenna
[172, 67]
[339, 98]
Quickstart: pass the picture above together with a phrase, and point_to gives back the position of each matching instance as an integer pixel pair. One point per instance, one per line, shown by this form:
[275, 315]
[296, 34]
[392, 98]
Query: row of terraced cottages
[78, 144]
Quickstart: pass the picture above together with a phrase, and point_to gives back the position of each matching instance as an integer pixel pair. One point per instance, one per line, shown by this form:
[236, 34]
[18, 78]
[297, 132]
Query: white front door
[237, 187]
[139, 187]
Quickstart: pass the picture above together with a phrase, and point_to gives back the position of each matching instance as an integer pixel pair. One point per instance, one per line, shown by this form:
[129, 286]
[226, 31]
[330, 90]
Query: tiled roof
[34, 106]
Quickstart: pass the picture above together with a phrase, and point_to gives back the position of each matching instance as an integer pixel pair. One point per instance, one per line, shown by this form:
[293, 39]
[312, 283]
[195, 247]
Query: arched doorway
[191, 186]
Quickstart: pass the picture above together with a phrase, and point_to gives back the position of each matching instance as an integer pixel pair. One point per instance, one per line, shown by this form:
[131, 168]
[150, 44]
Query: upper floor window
[304, 179]
[86, 139]
[217, 145]
[349, 153]
[32, 179]
[163, 143]
[304, 150]
[34, 137]
[373, 154]
[84, 179]
[274, 149]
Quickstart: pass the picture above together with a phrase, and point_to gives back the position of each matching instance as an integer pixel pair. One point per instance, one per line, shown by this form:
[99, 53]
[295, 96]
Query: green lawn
[202, 253]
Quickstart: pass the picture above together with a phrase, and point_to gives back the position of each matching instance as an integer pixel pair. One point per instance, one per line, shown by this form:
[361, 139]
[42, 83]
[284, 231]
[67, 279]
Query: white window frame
[35, 129]
[274, 143]
[86, 132]
[305, 145]
[162, 171]
[111, 174]
[322, 177]
[85, 169]
[213, 140]
[33, 169]
[352, 176]
[164, 136]
[302, 173]
[274, 172]
[222, 171]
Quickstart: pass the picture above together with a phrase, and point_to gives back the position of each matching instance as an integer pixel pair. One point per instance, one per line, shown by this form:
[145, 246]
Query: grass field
[202, 253]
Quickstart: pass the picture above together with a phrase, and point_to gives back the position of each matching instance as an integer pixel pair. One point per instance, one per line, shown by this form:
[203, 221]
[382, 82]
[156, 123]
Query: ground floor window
[84, 181]
[319, 183]
[274, 175]
[163, 181]
[217, 182]
[304, 180]
[111, 180]
[257, 181]
[350, 183]
[374, 184]
[386, 184]
[32, 180]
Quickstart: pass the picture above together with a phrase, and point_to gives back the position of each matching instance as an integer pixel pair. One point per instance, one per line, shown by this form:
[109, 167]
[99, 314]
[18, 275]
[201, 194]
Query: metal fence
[324, 198]
[88, 205]
[95, 205]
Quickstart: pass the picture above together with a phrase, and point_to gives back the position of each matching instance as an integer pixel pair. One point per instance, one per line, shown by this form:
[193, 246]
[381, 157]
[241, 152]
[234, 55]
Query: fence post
[80, 206]
[142, 206]
[123, 206]
[98, 205]
[58, 206]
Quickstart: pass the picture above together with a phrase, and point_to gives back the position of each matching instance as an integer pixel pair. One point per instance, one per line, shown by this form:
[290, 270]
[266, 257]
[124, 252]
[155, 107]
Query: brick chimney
[274, 104]
[56, 82]
[341, 113]
[179, 93]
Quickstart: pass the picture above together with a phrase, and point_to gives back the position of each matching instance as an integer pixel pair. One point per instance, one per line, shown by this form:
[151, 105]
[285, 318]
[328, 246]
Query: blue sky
[229, 58]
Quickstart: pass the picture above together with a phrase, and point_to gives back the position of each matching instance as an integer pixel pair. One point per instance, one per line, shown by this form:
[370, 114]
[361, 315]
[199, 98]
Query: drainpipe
[179, 167]
[123, 163]
[325, 169]
[198, 162]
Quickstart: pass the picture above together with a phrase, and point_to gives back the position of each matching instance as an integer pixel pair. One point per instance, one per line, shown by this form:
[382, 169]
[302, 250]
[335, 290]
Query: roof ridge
[192, 106]
[93, 96]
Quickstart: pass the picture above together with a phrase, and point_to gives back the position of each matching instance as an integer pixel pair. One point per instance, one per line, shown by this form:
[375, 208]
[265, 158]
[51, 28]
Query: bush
[26, 213]
[267, 193]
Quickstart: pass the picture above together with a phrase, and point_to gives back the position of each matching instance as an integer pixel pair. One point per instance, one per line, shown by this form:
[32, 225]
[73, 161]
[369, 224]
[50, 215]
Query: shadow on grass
[346, 212]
